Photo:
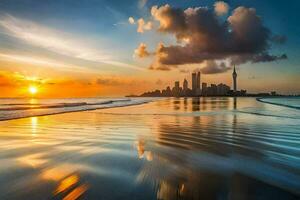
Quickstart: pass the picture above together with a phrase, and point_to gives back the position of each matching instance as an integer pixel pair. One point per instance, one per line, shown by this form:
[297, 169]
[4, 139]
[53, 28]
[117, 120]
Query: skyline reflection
[176, 148]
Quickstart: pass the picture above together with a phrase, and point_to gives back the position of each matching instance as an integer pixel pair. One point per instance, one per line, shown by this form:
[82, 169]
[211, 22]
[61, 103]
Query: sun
[32, 90]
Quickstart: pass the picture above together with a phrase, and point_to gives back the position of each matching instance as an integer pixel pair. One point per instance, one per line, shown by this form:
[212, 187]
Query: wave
[265, 100]
[31, 110]
[265, 114]
[59, 105]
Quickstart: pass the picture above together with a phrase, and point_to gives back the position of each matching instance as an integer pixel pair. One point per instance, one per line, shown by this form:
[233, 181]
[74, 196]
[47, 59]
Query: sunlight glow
[32, 90]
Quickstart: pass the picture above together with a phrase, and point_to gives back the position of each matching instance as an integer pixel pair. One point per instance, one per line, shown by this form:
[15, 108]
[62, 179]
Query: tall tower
[234, 75]
[198, 80]
[194, 82]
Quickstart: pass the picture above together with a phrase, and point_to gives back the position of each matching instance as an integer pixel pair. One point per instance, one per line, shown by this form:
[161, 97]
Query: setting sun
[32, 90]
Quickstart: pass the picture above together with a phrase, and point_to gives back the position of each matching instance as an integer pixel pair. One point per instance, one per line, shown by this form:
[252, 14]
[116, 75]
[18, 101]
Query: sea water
[170, 148]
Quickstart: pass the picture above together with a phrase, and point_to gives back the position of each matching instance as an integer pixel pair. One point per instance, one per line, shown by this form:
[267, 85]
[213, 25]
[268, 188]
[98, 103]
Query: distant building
[243, 92]
[204, 89]
[198, 82]
[185, 91]
[177, 85]
[194, 82]
[185, 85]
[222, 89]
[198, 79]
[214, 89]
[176, 89]
[234, 76]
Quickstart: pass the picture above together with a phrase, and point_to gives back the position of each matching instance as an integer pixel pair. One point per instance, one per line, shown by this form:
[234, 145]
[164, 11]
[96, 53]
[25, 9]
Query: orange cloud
[221, 8]
[142, 25]
[141, 51]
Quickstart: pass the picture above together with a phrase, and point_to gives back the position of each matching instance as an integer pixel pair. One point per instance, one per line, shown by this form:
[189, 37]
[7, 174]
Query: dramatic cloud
[202, 36]
[268, 58]
[142, 25]
[221, 8]
[212, 67]
[141, 51]
[131, 20]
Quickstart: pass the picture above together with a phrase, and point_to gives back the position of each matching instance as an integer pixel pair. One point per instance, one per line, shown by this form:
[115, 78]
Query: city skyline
[202, 88]
[115, 48]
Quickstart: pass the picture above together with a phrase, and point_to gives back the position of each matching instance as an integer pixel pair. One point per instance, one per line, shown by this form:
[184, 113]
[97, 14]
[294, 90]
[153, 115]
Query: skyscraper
[176, 85]
[204, 89]
[234, 75]
[194, 82]
[176, 89]
[185, 85]
[198, 90]
[198, 80]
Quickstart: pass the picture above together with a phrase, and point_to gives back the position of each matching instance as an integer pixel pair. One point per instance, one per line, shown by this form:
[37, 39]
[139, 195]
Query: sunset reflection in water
[195, 148]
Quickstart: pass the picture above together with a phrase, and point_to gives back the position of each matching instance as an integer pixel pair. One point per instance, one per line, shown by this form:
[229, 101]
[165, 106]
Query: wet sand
[195, 148]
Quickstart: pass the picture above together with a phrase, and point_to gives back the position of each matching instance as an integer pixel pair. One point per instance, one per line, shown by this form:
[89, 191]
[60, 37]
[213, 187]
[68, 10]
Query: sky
[87, 48]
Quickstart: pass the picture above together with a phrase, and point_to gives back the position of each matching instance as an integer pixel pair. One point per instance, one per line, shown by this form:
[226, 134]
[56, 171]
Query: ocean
[156, 148]
[14, 108]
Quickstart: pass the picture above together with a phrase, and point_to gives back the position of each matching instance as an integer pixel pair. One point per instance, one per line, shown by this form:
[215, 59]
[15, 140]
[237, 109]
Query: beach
[165, 148]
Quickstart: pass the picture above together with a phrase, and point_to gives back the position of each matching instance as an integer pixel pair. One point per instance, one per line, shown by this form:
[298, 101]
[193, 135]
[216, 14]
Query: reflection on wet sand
[76, 193]
[178, 178]
[176, 148]
[66, 183]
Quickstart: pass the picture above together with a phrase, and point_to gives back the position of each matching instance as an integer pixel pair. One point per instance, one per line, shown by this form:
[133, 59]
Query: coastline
[73, 111]
[259, 99]
[278, 104]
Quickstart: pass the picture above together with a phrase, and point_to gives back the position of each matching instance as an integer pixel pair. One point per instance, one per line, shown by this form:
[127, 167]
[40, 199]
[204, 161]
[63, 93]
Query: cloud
[109, 82]
[201, 36]
[118, 81]
[55, 41]
[268, 58]
[37, 61]
[142, 25]
[141, 51]
[212, 67]
[16, 79]
[50, 39]
[131, 20]
[185, 71]
[156, 66]
[123, 65]
[221, 8]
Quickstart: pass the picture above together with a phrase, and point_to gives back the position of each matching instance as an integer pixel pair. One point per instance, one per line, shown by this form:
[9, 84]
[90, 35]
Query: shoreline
[276, 104]
[64, 112]
[259, 99]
